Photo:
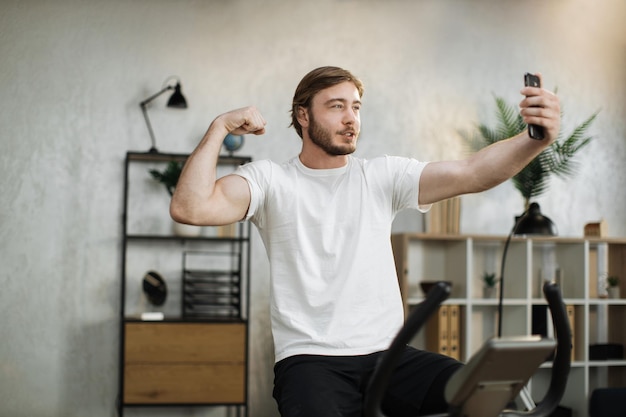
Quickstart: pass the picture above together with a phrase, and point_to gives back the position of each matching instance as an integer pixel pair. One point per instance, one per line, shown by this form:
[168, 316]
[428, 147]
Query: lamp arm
[144, 110]
[153, 149]
[152, 97]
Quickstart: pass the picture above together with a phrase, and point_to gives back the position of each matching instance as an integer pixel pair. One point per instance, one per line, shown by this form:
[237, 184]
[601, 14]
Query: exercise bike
[496, 374]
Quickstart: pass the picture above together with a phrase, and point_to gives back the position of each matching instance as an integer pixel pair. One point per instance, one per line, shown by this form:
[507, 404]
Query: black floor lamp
[176, 101]
[532, 222]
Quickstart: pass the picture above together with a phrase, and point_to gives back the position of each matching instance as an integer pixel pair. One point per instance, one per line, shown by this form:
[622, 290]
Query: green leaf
[169, 176]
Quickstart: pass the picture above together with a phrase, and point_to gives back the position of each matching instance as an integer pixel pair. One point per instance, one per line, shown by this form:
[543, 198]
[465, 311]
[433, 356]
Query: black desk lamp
[532, 222]
[177, 101]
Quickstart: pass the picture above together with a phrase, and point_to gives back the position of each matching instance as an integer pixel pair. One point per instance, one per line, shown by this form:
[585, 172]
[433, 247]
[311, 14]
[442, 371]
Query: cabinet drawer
[184, 363]
[184, 342]
[184, 383]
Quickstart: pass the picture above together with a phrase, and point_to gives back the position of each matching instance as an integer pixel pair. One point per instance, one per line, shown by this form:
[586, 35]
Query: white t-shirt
[334, 289]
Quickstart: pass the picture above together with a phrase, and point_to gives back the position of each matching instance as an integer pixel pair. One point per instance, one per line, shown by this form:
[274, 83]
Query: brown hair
[316, 81]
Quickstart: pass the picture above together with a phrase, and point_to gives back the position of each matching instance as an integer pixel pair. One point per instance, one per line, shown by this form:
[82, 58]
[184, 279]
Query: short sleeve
[406, 189]
[256, 175]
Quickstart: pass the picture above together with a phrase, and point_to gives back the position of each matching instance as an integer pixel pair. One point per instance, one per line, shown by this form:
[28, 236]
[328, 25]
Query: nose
[351, 116]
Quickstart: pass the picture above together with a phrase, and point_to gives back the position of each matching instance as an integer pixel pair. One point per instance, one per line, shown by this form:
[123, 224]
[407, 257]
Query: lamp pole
[531, 222]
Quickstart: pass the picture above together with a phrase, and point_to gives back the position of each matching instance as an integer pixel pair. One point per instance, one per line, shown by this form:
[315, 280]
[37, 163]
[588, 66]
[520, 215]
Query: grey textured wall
[72, 74]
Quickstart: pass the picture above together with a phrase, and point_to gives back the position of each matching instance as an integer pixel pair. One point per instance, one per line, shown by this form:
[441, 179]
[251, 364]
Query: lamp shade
[535, 223]
[177, 100]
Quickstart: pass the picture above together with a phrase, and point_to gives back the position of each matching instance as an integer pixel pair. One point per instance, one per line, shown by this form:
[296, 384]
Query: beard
[323, 138]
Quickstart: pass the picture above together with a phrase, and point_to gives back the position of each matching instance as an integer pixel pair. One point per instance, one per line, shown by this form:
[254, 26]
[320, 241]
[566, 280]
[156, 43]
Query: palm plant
[533, 180]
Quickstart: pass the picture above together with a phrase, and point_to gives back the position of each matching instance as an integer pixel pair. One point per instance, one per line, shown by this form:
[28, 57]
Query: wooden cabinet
[184, 363]
[579, 265]
[196, 352]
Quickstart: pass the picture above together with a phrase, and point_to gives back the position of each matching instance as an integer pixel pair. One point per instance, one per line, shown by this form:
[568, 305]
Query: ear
[303, 116]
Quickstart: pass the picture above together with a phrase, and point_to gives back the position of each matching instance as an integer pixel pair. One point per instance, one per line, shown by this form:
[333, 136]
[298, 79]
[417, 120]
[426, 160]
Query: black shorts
[325, 386]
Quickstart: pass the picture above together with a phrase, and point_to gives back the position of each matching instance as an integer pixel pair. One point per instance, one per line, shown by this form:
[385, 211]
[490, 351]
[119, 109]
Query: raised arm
[498, 162]
[200, 197]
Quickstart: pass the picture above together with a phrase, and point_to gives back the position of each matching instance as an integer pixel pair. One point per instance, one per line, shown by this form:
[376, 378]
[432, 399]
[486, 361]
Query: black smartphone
[534, 131]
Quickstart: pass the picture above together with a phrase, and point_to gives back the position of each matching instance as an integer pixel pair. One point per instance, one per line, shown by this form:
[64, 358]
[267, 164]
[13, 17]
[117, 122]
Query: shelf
[610, 362]
[180, 319]
[166, 157]
[506, 302]
[184, 238]
[412, 301]
[577, 264]
[197, 353]
[607, 302]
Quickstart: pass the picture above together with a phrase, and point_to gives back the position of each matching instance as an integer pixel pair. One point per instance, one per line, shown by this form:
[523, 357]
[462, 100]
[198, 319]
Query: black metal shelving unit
[214, 302]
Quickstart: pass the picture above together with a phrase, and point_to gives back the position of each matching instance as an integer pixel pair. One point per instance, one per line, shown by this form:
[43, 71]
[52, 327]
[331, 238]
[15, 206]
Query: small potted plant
[489, 284]
[612, 286]
[169, 178]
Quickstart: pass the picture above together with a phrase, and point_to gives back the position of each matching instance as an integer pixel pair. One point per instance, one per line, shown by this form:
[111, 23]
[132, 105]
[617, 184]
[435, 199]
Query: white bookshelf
[583, 264]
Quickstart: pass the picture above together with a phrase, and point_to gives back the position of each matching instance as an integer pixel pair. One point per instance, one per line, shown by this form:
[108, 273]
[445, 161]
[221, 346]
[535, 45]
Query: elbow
[182, 214]
[177, 213]
[193, 214]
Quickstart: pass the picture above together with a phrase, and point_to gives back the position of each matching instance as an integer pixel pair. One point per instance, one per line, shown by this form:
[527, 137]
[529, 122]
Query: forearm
[497, 163]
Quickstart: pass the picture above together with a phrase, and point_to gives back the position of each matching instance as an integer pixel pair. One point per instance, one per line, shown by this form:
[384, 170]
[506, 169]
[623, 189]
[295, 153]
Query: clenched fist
[243, 121]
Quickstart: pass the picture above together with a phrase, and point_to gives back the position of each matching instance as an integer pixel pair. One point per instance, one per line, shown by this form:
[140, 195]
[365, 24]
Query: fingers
[247, 120]
[253, 121]
[541, 107]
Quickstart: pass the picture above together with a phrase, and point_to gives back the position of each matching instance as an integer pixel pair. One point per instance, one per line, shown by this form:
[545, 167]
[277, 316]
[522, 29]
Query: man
[325, 220]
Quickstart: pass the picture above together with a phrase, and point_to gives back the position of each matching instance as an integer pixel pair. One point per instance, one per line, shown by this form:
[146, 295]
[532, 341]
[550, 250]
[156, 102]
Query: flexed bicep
[230, 201]
[227, 203]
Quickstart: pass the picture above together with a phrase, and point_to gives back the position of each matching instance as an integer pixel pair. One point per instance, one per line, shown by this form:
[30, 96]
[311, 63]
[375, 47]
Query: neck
[322, 160]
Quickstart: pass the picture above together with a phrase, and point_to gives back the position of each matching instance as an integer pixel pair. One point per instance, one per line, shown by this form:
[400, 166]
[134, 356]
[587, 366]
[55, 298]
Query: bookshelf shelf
[579, 265]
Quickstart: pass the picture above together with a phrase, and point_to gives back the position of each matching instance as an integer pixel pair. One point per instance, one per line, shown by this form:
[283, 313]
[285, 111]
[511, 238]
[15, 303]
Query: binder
[437, 331]
[571, 315]
[454, 327]
[443, 331]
